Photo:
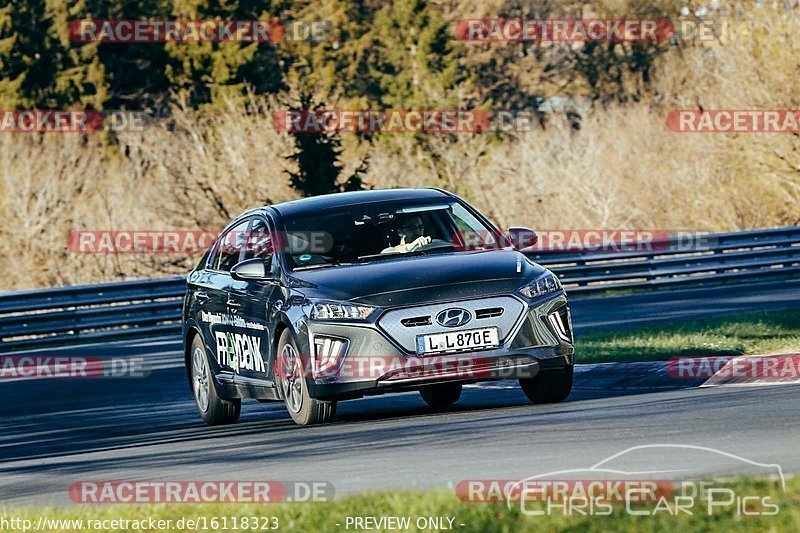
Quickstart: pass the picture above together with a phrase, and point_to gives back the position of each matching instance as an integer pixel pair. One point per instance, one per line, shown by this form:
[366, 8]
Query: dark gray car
[335, 297]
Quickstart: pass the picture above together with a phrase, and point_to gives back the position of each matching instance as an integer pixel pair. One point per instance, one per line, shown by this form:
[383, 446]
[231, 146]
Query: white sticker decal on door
[239, 351]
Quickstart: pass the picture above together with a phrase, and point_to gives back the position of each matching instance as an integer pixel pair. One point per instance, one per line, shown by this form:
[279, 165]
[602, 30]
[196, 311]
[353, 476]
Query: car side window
[230, 247]
[259, 241]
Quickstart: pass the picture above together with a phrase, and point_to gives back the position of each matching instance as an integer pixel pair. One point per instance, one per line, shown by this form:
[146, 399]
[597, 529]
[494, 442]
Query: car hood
[418, 279]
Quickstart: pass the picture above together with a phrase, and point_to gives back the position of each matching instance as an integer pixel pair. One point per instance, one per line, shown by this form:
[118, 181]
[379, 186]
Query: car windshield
[380, 231]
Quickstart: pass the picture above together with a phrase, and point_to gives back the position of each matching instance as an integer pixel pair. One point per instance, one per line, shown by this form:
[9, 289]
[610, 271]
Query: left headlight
[339, 311]
[544, 284]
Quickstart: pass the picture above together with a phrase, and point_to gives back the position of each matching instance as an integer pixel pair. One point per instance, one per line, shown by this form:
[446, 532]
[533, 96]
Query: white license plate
[455, 341]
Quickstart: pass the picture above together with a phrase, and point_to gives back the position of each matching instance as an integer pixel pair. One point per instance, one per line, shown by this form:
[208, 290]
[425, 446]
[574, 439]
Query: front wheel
[303, 409]
[213, 409]
[549, 386]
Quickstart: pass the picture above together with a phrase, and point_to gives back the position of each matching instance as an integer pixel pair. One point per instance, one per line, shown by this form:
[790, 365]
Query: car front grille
[489, 313]
[416, 321]
[404, 325]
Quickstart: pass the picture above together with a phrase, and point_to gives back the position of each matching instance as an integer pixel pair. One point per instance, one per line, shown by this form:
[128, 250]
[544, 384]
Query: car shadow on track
[74, 417]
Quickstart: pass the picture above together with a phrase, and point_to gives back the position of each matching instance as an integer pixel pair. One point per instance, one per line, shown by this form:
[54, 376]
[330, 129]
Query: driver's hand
[419, 242]
[407, 247]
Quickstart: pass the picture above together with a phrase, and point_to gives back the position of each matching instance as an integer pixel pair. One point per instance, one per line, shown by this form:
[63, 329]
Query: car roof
[344, 199]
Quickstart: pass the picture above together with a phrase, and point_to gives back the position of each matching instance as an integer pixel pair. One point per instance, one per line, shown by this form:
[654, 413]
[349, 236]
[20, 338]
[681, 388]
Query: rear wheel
[213, 409]
[441, 395]
[303, 409]
[549, 386]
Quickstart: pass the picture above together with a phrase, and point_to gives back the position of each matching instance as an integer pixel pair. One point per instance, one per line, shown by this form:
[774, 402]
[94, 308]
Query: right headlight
[544, 284]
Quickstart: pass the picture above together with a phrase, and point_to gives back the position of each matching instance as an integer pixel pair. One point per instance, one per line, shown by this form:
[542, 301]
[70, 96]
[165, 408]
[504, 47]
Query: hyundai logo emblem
[453, 317]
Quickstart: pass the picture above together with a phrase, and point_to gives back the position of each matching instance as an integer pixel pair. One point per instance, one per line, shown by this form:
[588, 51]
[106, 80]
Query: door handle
[233, 305]
[201, 295]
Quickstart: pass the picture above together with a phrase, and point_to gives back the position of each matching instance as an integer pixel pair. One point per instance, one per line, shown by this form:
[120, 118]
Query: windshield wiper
[323, 265]
[313, 267]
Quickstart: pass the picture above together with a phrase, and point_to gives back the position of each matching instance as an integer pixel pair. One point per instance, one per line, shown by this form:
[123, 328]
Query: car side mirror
[251, 270]
[522, 238]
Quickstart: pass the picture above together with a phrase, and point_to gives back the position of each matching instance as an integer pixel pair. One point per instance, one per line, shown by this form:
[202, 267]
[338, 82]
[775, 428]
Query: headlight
[544, 284]
[339, 311]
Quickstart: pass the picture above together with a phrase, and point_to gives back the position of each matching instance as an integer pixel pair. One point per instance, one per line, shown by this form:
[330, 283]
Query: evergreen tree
[415, 62]
[135, 72]
[39, 67]
[317, 160]
[202, 71]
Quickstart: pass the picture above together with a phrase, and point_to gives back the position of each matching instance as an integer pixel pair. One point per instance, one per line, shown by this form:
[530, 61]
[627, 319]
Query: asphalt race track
[59, 431]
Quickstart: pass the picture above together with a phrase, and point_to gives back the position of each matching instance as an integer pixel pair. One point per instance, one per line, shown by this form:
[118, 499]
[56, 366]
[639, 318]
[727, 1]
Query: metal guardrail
[151, 308]
[91, 313]
[758, 255]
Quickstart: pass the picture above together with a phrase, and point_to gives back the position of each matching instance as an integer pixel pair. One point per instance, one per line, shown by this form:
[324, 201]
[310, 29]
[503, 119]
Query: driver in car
[411, 236]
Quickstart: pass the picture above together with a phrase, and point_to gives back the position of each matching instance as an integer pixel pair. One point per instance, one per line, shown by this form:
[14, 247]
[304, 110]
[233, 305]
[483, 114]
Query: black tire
[441, 395]
[549, 386]
[214, 410]
[303, 409]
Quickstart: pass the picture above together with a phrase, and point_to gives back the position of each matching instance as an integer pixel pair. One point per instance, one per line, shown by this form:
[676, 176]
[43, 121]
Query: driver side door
[250, 302]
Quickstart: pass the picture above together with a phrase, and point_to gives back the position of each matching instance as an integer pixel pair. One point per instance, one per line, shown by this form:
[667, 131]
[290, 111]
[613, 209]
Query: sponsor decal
[239, 351]
[230, 320]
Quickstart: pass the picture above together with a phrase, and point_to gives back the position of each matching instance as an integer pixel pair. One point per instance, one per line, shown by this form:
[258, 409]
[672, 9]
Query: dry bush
[753, 66]
[622, 169]
[193, 172]
[48, 185]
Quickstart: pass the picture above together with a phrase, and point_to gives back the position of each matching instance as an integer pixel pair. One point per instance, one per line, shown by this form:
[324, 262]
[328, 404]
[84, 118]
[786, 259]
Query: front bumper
[375, 363]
